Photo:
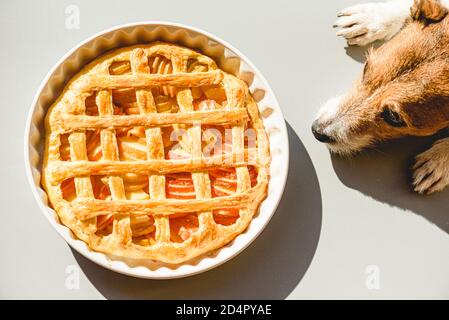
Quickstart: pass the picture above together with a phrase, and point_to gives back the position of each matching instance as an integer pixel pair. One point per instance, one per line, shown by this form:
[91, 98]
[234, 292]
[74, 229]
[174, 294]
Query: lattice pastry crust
[122, 186]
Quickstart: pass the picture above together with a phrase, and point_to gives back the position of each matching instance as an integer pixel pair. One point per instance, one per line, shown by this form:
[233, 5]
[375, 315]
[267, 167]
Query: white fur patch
[329, 116]
[339, 129]
[349, 147]
[329, 109]
[365, 23]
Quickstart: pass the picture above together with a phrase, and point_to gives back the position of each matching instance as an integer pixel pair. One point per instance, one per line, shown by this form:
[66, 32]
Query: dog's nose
[319, 134]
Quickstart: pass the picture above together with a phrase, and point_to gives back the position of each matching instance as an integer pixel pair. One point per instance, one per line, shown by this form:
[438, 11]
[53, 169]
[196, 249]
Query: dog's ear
[428, 11]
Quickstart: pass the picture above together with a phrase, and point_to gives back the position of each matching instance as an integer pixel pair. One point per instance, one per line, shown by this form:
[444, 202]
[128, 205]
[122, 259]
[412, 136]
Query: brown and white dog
[404, 88]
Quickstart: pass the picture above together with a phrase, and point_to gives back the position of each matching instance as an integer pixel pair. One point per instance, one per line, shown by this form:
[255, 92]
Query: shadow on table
[359, 53]
[270, 268]
[384, 174]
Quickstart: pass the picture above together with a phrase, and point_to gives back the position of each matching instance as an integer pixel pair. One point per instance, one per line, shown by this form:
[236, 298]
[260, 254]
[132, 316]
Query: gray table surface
[344, 228]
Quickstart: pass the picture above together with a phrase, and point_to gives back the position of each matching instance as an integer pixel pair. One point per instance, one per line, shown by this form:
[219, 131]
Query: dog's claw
[353, 33]
[343, 14]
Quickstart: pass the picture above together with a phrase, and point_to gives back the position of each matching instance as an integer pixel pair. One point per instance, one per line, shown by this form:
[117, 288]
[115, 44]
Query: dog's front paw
[431, 168]
[365, 23]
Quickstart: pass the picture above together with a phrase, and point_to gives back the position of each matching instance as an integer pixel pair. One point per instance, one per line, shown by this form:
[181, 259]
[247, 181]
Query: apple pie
[153, 152]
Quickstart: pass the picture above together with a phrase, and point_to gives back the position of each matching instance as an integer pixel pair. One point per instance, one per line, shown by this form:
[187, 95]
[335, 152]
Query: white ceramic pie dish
[230, 60]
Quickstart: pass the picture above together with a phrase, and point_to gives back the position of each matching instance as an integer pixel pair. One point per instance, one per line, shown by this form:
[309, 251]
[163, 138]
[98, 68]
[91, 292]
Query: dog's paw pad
[431, 170]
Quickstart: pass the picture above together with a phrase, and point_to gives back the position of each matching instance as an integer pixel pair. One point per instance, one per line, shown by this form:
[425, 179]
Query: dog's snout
[317, 131]
[322, 137]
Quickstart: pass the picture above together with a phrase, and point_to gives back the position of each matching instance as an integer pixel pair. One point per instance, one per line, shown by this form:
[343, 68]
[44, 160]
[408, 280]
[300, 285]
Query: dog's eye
[392, 118]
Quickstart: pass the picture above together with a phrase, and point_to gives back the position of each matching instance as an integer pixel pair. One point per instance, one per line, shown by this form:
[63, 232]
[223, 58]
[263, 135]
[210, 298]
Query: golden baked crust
[107, 171]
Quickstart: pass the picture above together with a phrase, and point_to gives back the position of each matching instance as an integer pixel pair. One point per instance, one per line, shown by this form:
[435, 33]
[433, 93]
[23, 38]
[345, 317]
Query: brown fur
[428, 11]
